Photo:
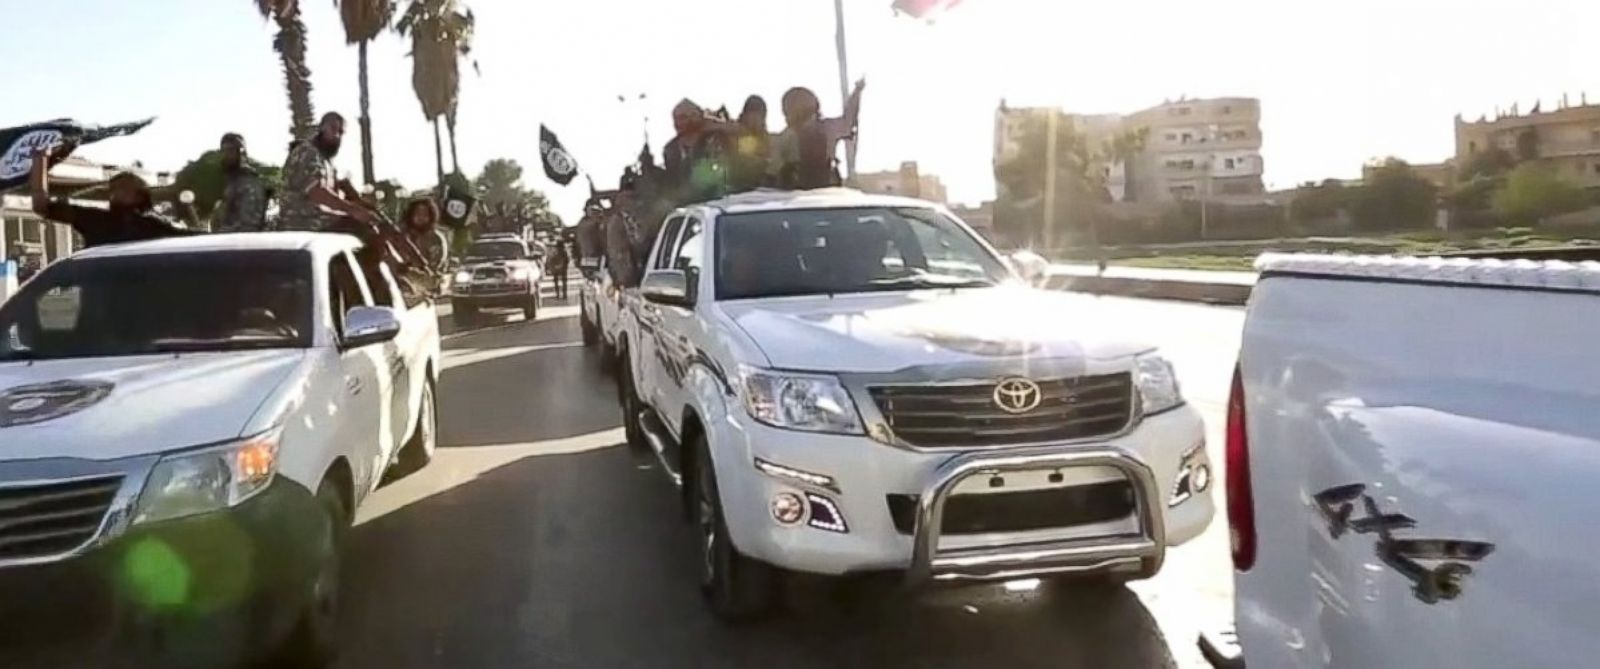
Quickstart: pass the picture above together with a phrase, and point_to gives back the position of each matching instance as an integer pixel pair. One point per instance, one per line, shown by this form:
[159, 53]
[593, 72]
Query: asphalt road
[536, 540]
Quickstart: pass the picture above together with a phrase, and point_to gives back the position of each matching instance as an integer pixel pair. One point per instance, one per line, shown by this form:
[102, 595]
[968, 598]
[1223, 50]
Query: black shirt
[102, 226]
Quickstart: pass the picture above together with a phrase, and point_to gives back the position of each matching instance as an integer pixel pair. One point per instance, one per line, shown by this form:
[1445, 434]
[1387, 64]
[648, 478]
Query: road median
[1210, 287]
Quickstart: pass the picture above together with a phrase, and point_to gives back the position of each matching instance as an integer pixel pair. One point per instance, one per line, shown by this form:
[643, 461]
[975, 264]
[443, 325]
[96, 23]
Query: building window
[1172, 137]
[1227, 109]
[1227, 164]
[1472, 147]
[1187, 137]
[1597, 169]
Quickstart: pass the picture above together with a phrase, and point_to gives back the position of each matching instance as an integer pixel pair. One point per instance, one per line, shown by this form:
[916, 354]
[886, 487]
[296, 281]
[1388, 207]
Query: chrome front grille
[47, 519]
[951, 415]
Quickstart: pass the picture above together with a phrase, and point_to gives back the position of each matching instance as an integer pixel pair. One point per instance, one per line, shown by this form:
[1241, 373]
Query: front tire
[735, 587]
[314, 643]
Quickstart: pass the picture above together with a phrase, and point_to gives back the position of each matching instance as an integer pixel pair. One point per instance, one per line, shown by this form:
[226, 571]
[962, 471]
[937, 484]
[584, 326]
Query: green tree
[441, 35]
[205, 177]
[1491, 162]
[1080, 177]
[291, 47]
[1394, 197]
[363, 21]
[501, 191]
[1533, 192]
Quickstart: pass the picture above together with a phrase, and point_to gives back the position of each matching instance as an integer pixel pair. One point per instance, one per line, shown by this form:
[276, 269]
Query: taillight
[1241, 506]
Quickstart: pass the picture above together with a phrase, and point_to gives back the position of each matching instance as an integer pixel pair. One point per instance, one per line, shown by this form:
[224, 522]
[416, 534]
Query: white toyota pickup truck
[1409, 446]
[845, 384]
[186, 429]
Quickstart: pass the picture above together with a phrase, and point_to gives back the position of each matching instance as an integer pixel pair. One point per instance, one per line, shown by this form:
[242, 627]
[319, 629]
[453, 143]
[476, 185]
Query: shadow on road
[582, 560]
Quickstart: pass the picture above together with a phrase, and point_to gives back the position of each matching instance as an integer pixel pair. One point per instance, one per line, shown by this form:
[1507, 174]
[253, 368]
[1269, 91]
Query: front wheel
[736, 587]
[315, 639]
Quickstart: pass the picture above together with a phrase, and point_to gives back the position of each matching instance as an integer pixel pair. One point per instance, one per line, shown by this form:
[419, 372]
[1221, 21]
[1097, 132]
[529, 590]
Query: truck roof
[244, 241]
[1488, 272]
[765, 199]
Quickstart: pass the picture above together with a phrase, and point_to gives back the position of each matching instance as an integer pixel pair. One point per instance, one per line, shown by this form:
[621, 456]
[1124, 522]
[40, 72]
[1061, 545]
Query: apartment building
[1192, 148]
[1566, 139]
[908, 181]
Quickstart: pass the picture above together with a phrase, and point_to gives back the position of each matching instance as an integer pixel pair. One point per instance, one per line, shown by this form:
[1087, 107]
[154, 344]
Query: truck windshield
[496, 251]
[827, 251]
[137, 305]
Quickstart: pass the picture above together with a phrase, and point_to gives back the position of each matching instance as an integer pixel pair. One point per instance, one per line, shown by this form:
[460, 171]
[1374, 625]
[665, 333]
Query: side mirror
[667, 286]
[1030, 266]
[364, 326]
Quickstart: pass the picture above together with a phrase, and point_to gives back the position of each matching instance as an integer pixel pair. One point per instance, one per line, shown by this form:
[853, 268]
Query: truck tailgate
[1424, 459]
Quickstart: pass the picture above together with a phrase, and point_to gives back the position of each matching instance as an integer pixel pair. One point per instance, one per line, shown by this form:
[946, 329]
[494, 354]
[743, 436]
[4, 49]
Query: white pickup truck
[187, 427]
[1409, 442]
[599, 303]
[844, 384]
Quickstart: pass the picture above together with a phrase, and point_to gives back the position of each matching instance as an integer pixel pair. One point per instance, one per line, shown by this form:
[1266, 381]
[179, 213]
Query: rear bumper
[214, 590]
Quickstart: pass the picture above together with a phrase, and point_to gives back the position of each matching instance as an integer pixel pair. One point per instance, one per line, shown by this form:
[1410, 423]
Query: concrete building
[1566, 139]
[25, 236]
[908, 181]
[1192, 148]
[980, 217]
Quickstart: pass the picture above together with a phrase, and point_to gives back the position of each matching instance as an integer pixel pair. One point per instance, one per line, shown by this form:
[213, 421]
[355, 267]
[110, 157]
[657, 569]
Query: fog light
[787, 508]
[1201, 478]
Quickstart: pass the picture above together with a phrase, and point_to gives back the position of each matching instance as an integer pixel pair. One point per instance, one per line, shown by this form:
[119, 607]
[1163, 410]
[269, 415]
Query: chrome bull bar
[1142, 553]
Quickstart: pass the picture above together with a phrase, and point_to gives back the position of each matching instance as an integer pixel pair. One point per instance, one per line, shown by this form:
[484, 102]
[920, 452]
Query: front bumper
[212, 590]
[493, 298]
[864, 475]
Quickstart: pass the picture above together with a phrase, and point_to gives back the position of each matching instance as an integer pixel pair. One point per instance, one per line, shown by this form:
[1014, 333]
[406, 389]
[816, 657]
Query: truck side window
[344, 289]
[690, 248]
[665, 245]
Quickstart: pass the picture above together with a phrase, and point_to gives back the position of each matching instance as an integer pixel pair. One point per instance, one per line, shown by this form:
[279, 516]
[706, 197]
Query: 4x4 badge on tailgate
[1337, 505]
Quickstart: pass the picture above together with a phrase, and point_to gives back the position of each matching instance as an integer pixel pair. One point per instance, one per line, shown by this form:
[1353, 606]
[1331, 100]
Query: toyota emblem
[1017, 396]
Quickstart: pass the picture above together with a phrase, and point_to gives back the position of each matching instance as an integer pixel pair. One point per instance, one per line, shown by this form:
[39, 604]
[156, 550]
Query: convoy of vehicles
[1408, 442]
[497, 272]
[843, 384]
[188, 428]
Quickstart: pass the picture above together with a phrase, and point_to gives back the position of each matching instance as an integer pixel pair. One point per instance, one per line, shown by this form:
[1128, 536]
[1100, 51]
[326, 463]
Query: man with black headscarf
[311, 197]
[243, 207]
[131, 216]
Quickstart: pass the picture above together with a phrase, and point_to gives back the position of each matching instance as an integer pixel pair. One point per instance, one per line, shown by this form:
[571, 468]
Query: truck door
[358, 425]
[681, 330]
[397, 353]
[647, 366]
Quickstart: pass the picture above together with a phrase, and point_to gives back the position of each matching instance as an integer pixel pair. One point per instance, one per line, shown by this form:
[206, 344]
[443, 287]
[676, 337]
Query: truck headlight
[1158, 385]
[211, 479]
[522, 274]
[806, 402]
[463, 276]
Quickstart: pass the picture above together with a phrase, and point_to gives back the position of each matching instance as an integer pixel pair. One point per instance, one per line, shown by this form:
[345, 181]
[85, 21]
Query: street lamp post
[844, 86]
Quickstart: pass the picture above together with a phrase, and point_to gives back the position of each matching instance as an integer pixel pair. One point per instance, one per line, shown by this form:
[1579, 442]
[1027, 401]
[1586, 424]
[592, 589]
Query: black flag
[17, 144]
[458, 204]
[558, 164]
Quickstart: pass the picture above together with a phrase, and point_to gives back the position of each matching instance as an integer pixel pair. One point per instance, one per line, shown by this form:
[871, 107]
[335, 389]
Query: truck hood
[108, 408]
[887, 332]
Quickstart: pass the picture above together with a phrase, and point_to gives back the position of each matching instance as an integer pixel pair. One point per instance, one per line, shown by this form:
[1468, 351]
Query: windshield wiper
[932, 281]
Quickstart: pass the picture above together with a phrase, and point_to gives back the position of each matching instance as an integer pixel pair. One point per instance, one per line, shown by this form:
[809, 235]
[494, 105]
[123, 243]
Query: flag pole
[844, 86]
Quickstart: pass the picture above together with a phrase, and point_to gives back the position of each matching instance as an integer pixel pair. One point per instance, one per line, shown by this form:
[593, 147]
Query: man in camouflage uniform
[311, 199]
[243, 207]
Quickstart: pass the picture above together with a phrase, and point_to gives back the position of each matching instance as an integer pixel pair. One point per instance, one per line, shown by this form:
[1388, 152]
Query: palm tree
[363, 21]
[291, 47]
[441, 34]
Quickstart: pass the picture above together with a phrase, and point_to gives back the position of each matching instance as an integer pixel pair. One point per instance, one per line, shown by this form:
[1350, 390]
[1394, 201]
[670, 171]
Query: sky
[1341, 83]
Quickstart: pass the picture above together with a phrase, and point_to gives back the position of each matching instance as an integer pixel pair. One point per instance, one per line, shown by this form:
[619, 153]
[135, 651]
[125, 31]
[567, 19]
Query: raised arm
[39, 184]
